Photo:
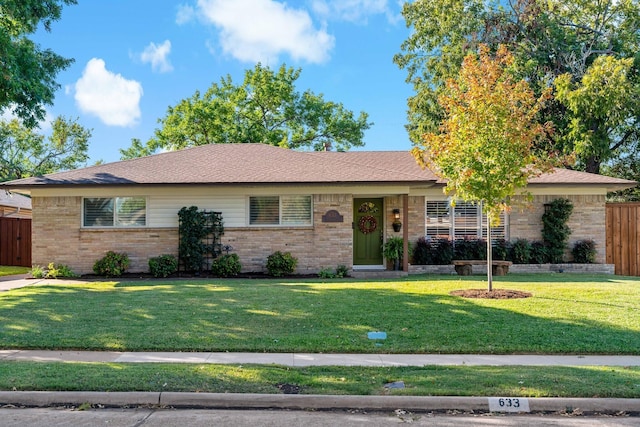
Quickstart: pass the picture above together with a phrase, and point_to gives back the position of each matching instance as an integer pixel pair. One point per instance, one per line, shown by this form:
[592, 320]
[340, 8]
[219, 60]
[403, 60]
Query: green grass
[6, 270]
[567, 314]
[519, 381]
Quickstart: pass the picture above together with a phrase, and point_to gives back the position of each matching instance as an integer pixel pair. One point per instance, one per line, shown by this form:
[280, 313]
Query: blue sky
[133, 59]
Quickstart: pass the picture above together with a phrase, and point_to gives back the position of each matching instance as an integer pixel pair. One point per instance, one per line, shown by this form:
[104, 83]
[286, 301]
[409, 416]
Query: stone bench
[464, 267]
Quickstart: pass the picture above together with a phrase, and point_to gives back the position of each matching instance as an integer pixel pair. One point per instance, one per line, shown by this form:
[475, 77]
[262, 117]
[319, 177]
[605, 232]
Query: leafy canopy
[485, 147]
[604, 109]
[548, 38]
[265, 108]
[24, 153]
[27, 72]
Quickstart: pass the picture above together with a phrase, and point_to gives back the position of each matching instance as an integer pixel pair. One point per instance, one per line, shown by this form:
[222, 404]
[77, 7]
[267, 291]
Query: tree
[604, 110]
[548, 38]
[27, 73]
[485, 147]
[265, 108]
[24, 153]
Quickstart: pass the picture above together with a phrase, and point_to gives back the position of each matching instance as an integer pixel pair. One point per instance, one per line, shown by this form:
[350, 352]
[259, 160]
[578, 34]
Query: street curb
[301, 401]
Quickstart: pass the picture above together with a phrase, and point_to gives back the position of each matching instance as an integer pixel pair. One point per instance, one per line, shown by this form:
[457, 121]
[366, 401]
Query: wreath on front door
[367, 224]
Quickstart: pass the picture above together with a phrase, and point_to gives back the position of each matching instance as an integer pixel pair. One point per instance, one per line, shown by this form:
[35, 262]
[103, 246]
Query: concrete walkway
[320, 359]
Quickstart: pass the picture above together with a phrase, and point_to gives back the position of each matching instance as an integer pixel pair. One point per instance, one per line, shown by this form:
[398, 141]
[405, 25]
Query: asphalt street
[64, 417]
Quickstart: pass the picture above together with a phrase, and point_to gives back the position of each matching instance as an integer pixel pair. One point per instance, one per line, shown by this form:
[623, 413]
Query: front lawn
[566, 314]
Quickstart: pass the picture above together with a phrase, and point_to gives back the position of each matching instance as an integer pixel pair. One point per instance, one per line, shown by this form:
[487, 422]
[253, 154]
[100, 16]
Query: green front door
[367, 231]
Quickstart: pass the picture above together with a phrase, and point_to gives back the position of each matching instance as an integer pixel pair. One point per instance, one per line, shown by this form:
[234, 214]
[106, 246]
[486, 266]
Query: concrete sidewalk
[320, 359]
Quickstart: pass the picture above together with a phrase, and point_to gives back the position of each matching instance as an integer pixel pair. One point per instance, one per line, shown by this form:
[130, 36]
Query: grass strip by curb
[516, 381]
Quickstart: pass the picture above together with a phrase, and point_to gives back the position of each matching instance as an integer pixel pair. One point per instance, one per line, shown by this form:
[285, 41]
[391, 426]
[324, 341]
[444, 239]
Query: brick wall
[326, 244]
[57, 237]
[586, 222]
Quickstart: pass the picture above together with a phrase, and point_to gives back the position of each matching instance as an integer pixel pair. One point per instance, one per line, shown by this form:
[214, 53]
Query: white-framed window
[464, 220]
[280, 210]
[114, 212]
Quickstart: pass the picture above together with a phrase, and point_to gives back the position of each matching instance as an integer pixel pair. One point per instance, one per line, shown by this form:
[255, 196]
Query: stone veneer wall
[586, 222]
[57, 237]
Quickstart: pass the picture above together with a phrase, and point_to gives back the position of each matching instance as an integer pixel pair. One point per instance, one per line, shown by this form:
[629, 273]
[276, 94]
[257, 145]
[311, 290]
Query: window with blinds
[115, 212]
[280, 210]
[465, 220]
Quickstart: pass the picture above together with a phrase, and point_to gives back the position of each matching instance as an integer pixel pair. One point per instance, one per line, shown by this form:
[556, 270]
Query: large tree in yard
[485, 147]
[25, 153]
[555, 43]
[265, 108]
[27, 72]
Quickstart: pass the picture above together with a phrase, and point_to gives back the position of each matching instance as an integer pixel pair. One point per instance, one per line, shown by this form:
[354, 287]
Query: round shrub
[584, 251]
[163, 265]
[113, 264]
[279, 263]
[226, 265]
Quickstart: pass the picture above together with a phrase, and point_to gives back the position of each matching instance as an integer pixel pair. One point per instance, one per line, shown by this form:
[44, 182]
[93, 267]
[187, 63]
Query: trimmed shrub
[113, 264]
[584, 251]
[470, 249]
[163, 265]
[539, 253]
[279, 263]
[442, 251]
[520, 251]
[500, 250]
[423, 252]
[555, 231]
[226, 265]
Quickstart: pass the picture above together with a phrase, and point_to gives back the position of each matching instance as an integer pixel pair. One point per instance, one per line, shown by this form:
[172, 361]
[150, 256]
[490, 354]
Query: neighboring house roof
[254, 164]
[14, 200]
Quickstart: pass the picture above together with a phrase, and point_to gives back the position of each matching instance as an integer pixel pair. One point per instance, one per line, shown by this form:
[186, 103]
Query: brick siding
[586, 222]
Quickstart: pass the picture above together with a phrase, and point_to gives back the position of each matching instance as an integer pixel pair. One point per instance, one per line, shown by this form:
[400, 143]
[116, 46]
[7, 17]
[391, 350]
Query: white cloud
[185, 14]
[354, 10]
[261, 30]
[109, 96]
[157, 56]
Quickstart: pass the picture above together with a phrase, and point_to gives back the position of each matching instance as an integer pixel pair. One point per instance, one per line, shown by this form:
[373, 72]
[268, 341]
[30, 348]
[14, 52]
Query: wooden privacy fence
[623, 237]
[15, 241]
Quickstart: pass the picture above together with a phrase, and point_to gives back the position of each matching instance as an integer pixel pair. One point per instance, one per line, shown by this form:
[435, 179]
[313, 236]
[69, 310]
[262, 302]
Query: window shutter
[296, 210]
[264, 210]
[98, 212]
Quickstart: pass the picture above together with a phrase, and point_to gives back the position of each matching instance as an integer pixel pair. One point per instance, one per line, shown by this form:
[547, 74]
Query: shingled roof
[253, 164]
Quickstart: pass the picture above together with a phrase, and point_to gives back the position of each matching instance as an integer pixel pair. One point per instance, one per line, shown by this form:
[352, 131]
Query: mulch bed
[494, 294]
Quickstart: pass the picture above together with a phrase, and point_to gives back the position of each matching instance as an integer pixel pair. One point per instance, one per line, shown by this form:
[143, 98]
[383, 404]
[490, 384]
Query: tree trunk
[592, 165]
[489, 256]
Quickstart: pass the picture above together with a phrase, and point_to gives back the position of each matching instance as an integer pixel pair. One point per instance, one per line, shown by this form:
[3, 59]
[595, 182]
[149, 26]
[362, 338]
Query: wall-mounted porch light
[397, 225]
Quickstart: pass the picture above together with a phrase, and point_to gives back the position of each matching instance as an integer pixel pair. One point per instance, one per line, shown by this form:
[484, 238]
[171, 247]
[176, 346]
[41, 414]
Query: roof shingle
[265, 164]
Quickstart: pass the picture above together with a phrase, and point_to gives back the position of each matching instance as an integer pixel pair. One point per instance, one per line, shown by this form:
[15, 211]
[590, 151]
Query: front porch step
[378, 274]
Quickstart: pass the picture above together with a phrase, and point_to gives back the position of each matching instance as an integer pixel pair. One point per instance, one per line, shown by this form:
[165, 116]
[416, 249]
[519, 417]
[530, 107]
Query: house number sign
[508, 404]
[332, 216]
